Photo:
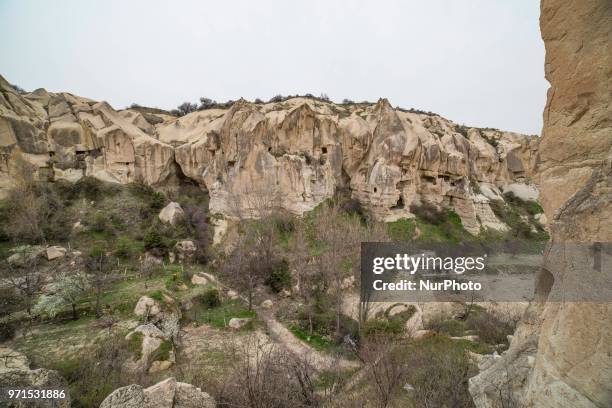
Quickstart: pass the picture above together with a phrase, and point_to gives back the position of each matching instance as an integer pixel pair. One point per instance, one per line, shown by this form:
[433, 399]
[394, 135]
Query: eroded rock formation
[298, 152]
[561, 355]
[166, 394]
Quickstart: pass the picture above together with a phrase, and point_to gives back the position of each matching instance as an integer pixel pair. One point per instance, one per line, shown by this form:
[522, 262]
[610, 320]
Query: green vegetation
[316, 341]
[445, 226]
[218, 316]
[134, 345]
[162, 353]
[490, 329]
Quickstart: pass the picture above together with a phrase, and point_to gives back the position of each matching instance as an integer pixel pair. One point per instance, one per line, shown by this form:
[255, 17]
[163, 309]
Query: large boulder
[172, 213]
[165, 394]
[147, 307]
[55, 252]
[152, 342]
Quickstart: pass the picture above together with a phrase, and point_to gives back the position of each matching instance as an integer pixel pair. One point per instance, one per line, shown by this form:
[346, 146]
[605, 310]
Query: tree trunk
[74, 312]
[98, 296]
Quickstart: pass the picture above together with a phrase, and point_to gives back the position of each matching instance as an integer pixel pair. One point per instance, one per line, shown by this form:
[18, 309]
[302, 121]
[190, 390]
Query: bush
[7, 330]
[123, 248]
[152, 199]
[489, 328]
[280, 277]
[155, 240]
[439, 370]
[209, 299]
[99, 223]
[428, 213]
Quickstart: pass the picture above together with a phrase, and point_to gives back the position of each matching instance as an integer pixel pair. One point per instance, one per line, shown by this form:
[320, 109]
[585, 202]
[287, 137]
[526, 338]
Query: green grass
[329, 378]
[162, 353]
[447, 229]
[314, 340]
[135, 345]
[220, 316]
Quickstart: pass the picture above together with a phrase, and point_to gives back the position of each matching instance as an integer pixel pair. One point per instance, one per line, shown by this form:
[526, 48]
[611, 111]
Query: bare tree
[100, 267]
[266, 377]
[23, 274]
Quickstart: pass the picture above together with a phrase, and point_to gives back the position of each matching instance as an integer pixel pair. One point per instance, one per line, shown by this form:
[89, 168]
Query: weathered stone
[172, 213]
[292, 155]
[147, 307]
[55, 252]
[185, 251]
[560, 353]
[165, 394]
[237, 323]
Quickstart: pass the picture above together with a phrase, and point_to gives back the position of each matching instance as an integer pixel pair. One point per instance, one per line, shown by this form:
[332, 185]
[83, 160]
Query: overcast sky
[478, 62]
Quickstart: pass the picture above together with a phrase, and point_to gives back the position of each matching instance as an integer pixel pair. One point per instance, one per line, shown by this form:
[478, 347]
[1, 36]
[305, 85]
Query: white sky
[478, 62]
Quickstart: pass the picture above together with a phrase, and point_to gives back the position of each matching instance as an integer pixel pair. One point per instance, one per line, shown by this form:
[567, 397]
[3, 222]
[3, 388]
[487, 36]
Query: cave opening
[399, 204]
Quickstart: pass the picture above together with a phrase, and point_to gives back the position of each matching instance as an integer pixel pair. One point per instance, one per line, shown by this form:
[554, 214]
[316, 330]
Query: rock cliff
[298, 152]
[561, 353]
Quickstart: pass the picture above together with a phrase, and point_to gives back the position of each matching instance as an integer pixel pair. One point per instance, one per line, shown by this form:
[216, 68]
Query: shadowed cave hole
[399, 204]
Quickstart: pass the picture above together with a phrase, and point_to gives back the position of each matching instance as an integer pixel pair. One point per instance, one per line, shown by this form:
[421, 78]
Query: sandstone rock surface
[561, 354]
[165, 394]
[147, 307]
[292, 154]
[172, 213]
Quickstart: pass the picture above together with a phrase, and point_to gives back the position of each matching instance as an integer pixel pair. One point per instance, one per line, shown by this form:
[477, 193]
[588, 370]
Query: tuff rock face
[297, 152]
[561, 353]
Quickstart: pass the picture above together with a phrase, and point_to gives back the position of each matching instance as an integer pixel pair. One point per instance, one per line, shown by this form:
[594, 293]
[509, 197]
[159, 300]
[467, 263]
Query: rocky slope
[297, 152]
[561, 353]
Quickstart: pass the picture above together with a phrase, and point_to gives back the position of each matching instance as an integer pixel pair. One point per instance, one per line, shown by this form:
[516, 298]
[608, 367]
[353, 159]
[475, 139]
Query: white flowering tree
[66, 290]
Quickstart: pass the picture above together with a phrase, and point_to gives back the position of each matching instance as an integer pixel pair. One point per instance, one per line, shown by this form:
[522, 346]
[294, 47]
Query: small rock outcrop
[154, 351]
[172, 213]
[147, 307]
[55, 252]
[166, 394]
[185, 251]
[15, 372]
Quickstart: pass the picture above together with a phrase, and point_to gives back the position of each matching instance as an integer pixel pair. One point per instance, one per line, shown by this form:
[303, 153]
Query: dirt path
[282, 336]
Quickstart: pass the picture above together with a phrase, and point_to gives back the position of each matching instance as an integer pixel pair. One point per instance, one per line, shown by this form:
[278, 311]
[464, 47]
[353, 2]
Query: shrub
[123, 248]
[209, 299]
[428, 213]
[489, 328]
[280, 277]
[439, 373]
[383, 327]
[99, 223]
[7, 330]
[277, 98]
[153, 200]
[441, 324]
